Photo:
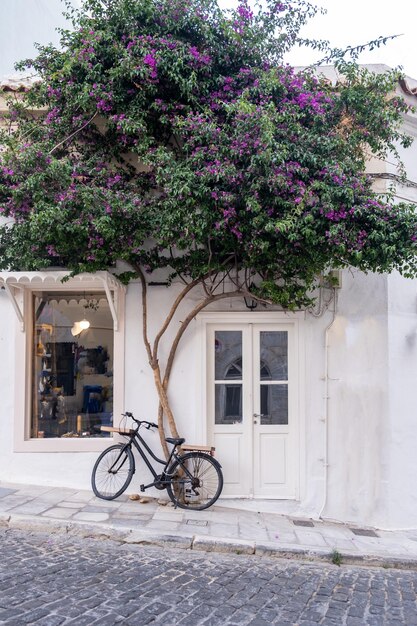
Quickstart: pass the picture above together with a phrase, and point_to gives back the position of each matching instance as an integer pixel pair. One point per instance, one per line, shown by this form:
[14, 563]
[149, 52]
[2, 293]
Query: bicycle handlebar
[145, 423]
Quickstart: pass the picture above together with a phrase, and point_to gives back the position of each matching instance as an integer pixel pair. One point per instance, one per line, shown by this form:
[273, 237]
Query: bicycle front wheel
[196, 483]
[113, 472]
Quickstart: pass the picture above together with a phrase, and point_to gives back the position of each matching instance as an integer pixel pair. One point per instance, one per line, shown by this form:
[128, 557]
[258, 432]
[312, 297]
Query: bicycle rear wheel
[113, 472]
[197, 481]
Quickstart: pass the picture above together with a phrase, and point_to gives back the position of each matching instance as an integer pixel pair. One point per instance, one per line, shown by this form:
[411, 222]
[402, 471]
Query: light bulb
[79, 327]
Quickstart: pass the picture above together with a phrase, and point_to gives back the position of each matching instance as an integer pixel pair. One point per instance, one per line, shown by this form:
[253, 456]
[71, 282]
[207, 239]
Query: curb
[221, 544]
[163, 540]
[324, 556]
[202, 543]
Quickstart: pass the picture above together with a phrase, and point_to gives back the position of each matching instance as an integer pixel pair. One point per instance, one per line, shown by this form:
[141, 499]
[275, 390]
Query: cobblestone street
[51, 580]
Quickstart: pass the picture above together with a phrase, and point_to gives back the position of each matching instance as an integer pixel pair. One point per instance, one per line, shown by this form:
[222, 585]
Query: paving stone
[52, 620]
[31, 508]
[65, 575]
[67, 580]
[170, 515]
[72, 505]
[80, 496]
[224, 530]
[310, 538]
[139, 514]
[128, 522]
[90, 508]
[59, 513]
[91, 517]
[35, 615]
[8, 503]
[179, 587]
[163, 525]
[6, 492]
[10, 613]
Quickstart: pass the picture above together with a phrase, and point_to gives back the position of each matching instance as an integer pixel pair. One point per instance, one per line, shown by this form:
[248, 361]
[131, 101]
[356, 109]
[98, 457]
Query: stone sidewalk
[222, 528]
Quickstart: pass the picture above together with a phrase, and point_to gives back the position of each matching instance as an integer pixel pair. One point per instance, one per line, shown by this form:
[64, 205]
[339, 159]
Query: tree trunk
[161, 384]
[163, 399]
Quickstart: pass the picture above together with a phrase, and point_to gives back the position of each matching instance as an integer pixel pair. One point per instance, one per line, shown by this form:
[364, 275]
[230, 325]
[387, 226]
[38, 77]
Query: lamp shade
[75, 330]
[79, 327]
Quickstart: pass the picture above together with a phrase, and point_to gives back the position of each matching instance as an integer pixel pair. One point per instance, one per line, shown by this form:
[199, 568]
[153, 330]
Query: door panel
[274, 414]
[273, 354]
[252, 407]
[229, 399]
[272, 473]
[229, 450]
[228, 374]
[274, 404]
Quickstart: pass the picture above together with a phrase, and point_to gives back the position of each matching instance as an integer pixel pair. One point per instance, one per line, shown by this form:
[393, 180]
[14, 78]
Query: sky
[348, 22]
[21, 23]
[352, 22]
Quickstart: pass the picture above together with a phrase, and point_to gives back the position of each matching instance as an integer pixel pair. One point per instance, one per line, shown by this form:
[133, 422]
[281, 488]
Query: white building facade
[311, 413]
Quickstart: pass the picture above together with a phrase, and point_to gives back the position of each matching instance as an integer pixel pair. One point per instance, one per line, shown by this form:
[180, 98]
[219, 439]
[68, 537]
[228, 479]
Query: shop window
[72, 364]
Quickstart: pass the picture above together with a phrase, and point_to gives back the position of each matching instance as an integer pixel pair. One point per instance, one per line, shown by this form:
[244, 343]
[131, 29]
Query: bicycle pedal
[142, 487]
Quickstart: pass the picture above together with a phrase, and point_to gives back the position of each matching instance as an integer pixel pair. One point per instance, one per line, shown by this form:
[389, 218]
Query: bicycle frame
[160, 479]
[192, 478]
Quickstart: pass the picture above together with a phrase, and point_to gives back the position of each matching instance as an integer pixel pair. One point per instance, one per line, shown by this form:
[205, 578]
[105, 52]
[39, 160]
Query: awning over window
[59, 280]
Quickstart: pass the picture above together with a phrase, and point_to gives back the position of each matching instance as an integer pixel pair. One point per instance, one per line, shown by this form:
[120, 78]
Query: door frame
[295, 319]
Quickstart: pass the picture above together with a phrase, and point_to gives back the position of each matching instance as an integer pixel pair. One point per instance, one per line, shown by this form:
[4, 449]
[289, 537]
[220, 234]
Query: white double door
[253, 407]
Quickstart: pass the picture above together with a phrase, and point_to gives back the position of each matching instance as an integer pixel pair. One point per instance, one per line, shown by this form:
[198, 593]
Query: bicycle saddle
[175, 441]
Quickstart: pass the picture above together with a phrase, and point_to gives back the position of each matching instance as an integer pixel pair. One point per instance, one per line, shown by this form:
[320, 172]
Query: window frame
[21, 286]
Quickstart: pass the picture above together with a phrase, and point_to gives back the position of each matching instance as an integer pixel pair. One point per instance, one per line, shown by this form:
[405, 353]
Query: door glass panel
[274, 356]
[274, 404]
[228, 404]
[228, 355]
[234, 371]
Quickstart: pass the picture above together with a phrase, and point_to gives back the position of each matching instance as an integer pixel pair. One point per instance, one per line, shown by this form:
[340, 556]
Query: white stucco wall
[402, 452]
[7, 365]
[358, 403]
[370, 409]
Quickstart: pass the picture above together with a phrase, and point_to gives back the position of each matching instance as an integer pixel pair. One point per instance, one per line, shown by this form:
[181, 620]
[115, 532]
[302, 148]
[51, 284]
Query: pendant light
[79, 327]
[83, 324]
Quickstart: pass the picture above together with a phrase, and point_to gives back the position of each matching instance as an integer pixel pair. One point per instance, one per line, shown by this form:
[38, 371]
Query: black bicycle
[193, 480]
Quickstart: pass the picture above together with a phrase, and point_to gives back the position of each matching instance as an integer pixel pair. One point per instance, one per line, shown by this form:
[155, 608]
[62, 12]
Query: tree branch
[184, 325]
[145, 316]
[171, 314]
[74, 133]
[173, 310]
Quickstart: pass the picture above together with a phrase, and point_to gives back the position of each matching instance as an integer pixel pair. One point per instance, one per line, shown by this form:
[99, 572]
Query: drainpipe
[325, 418]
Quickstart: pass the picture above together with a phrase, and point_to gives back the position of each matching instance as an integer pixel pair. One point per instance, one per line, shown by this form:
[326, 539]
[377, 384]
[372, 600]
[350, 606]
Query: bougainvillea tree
[169, 134]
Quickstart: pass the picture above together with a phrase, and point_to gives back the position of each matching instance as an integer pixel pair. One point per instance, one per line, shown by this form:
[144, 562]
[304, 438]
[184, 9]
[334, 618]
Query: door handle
[257, 416]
